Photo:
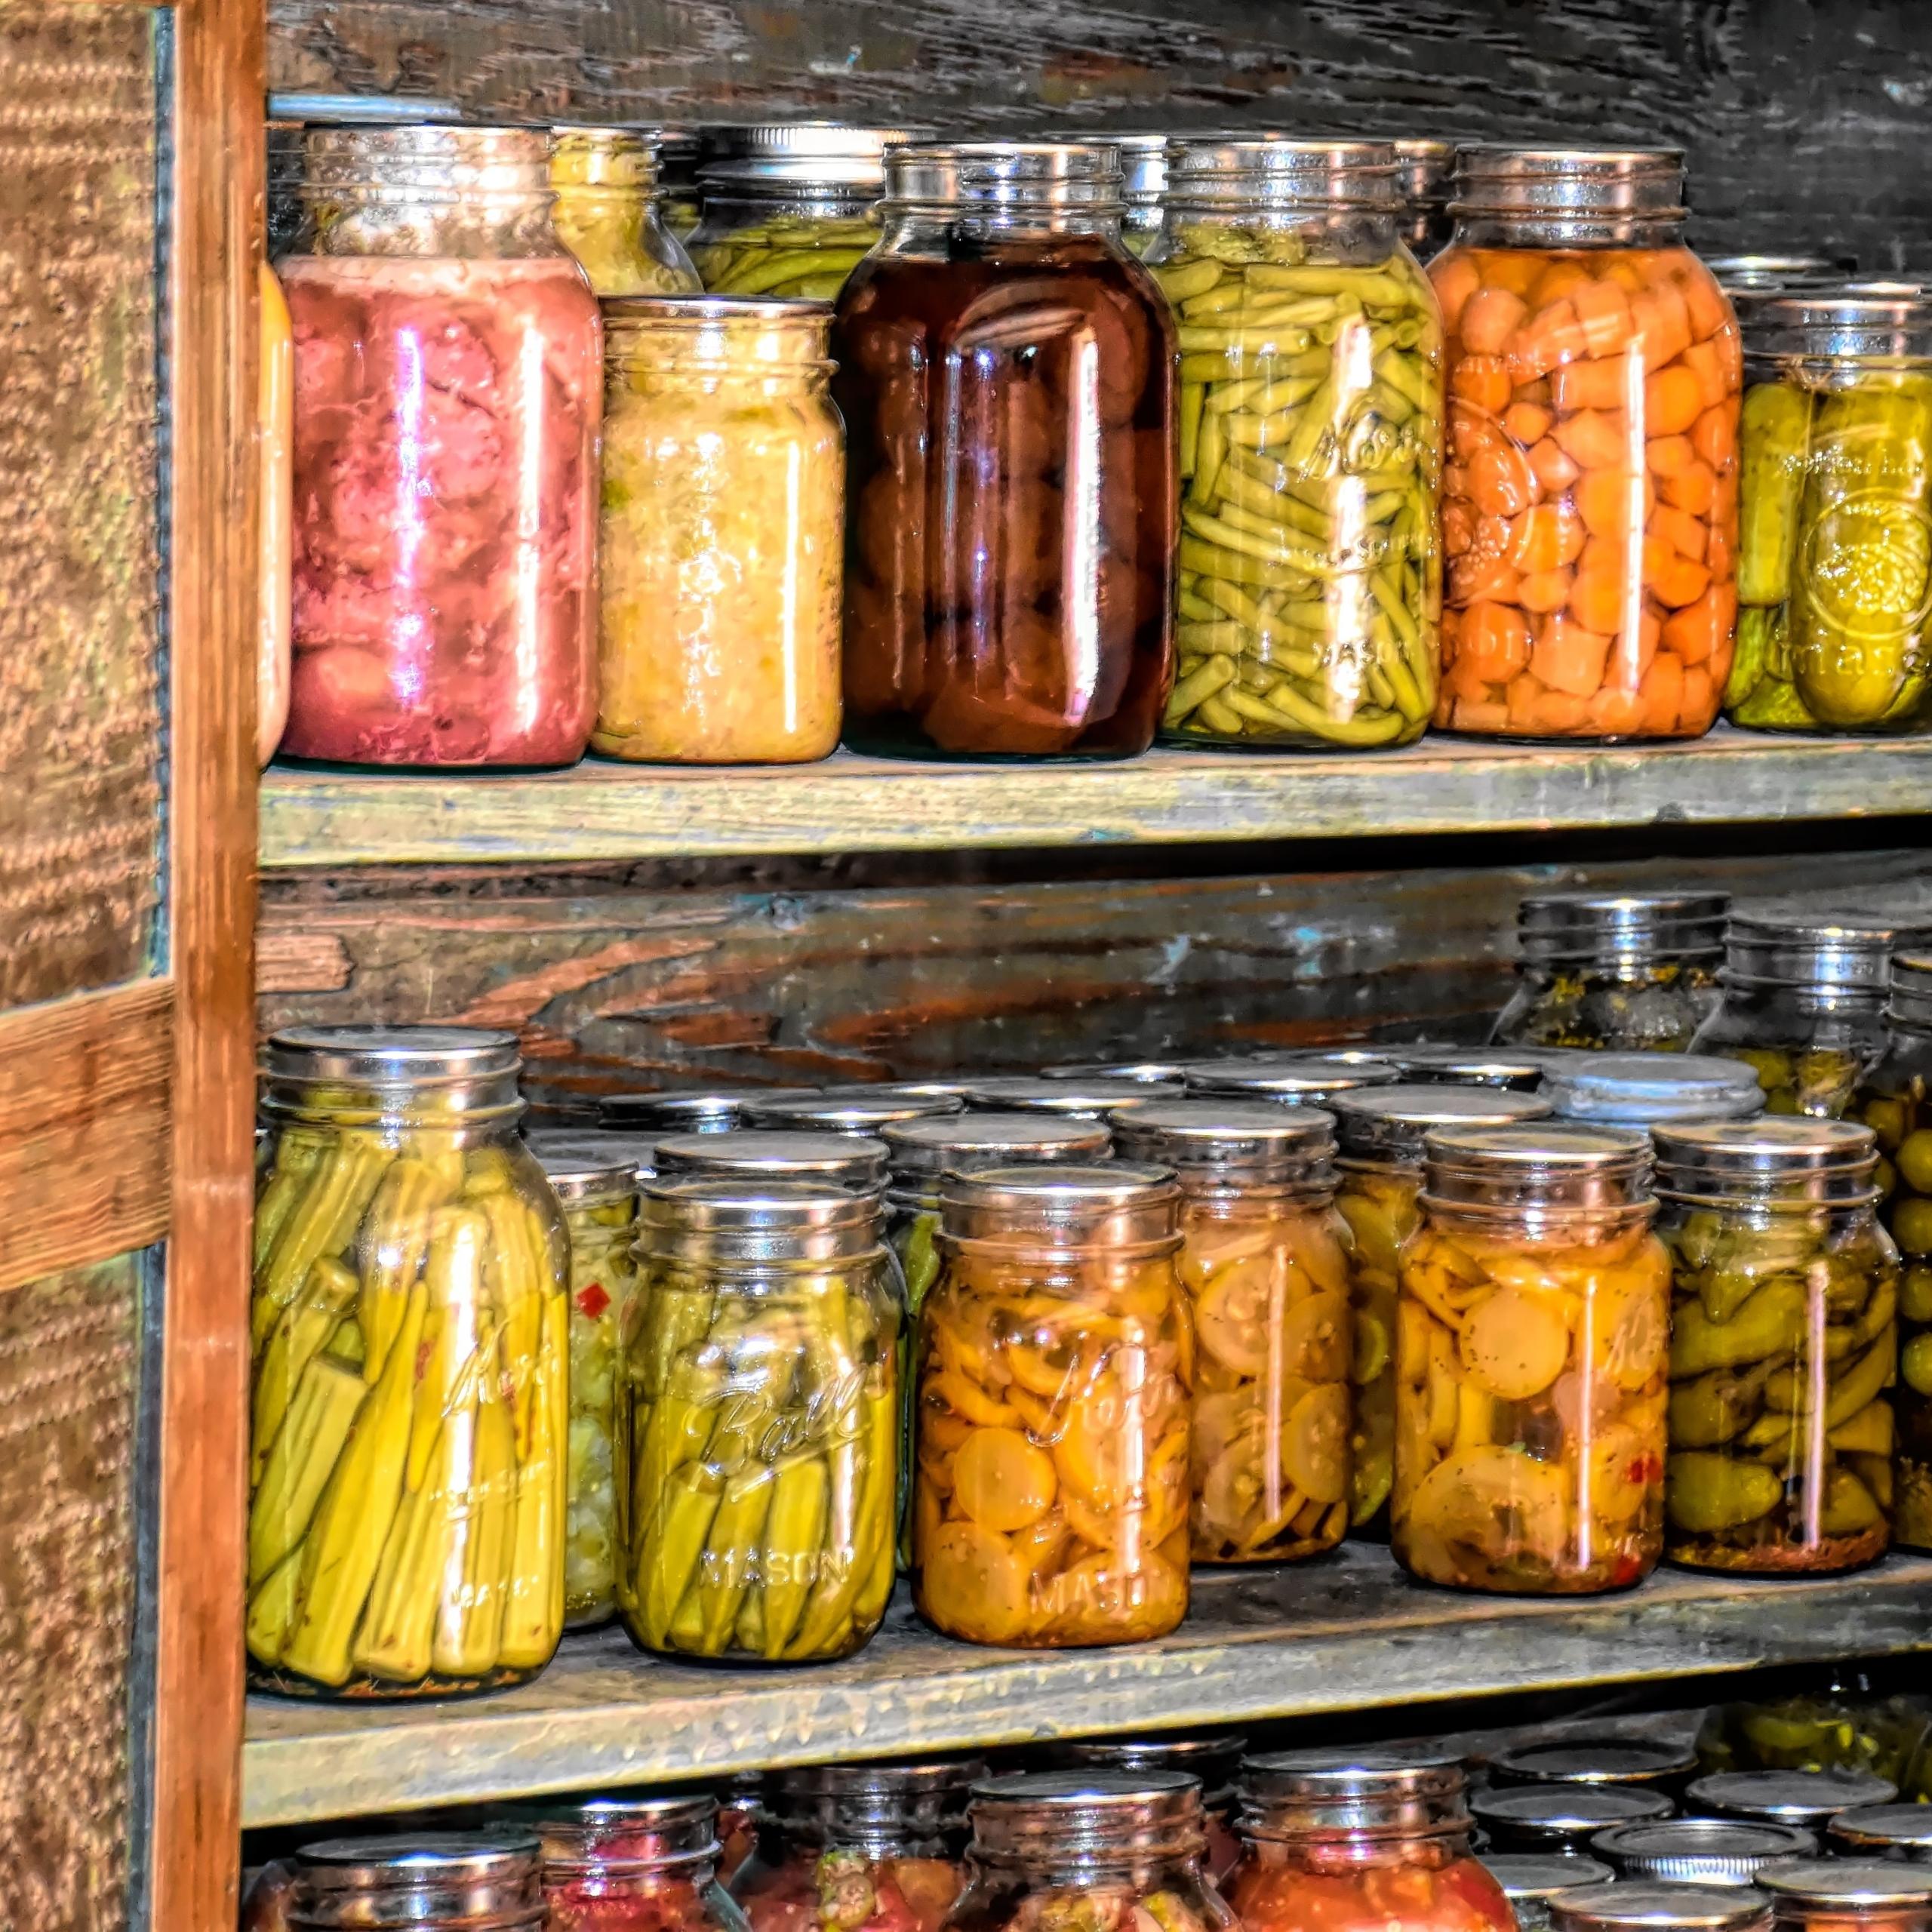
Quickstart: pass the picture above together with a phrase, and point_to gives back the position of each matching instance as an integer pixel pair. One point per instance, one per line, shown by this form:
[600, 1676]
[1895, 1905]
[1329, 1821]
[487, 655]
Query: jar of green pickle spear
[1311, 446]
[758, 1426]
[1834, 533]
[606, 213]
[410, 1386]
[1803, 1001]
[1784, 1341]
[791, 210]
[597, 1186]
[1895, 1101]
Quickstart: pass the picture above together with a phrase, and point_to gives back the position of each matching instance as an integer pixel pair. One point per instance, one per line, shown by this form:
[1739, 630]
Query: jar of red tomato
[1590, 511]
[449, 374]
[858, 1848]
[1364, 1841]
[1006, 371]
[643, 1864]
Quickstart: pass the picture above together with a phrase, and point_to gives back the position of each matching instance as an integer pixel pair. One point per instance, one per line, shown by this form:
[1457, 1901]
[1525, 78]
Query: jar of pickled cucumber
[1310, 579]
[1533, 1335]
[1700, 1851]
[597, 1186]
[1784, 1341]
[1589, 510]
[791, 210]
[1804, 1001]
[1651, 1089]
[1839, 1725]
[1099, 1097]
[850, 1160]
[1530, 1879]
[1561, 1817]
[1895, 1100]
[1088, 1851]
[1425, 169]
[646, 1863]
[1641, 1906]
[1421, 1064]
[410, 1425]
[1835, 552]
[757, 1430]
[1213, 1760]
[1265, 1261]
[1292, 1080]
[1615, 972]
[860, 1111]
[608, 214]
[1380, 1131]
[1349, 1841]
[466, 1881]
[1051, 1418]
[860, 1848]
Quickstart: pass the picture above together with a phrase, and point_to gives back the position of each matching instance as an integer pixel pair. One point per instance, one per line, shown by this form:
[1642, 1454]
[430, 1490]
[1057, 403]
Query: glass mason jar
[1088, 1851]
[286, 144]
[1050, 1423]
[1639, 1906]
[1422, 1064]
[1292, 1080]
[1100, 1097]
[1357, 1842]
[1381, 1131]
[1841, 1724]
[1804, 1003]
[1784, 1340]
[410, 1428]
[860, 1848]
[1700, 1851]
[757, 1431]
[1621, 972]
[1892, 1832]
[274, 430]
[791, 210]
[1144, 161]
[1532, 1339]
[864, 1111]
[1155, 1072]
[1809, 1800]
[1848, 1895]
[1425, 169]
[741, 1815]
[597, 1186]
[1619, 1761]
[680, 153]
[1774, 274]
[1589, 508]
[608, 216]
[1213, 1761]
[849, 1161]
[700, 1110]
[467, 1881]
[635, 1864]
[1006, 371]
[1530, 1880]
[722, 535]
[1651, 1091]
[1834, 559]
[1265, 1261]
[1561, 1817]
[1310, 575]
[448, 392]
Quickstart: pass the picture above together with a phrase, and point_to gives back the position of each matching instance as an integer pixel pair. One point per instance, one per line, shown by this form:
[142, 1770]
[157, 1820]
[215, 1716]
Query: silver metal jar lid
[746, 1217]
[1497, 180]
[491, 1878]
[584, 1167]
[1298, 1079]
[1389, 1124]
[1647, 1905]
[1889, 326]
[1911, 1003]
[1226, 1133]
[1541, 1875]
[1563, 1813]
[1820, 1160]
[702, 1110]
[651, 1830]
[1147, 1072]
[1790, 1797]
[1120, 1202]
[936, 1144]
[1750, 274]
[1702, 1851]
[1006, 174]
[430, 158]
[1872, 1828]
[1621, 927]
[1849, 1884]
[1094, 1098]
[845, 1158]
[1144, 161]
[1426, 1065]
[1823, 949]
[803, 153]
[1212, 169]
[1371, 1773]
[391, 1056]
[1646, 1090]
[850, 1109]
[1595, 1761]
[1548, 1163]
[1213, 1757]
[886, 1808]
[1079, 1811]
[1425, 167]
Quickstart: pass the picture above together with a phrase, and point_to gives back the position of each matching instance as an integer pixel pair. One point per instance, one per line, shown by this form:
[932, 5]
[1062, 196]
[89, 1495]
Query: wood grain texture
[194, 1881]
[617, 979]
[848, 803]
[85, 1088]
[1804, 118]
[1347, 1633]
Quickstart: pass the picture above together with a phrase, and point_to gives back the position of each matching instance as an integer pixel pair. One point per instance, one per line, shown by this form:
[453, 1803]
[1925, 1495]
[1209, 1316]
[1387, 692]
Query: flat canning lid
[1647, 1905]
[1704, 1851]
[1795, 1797]
[1849, 1884]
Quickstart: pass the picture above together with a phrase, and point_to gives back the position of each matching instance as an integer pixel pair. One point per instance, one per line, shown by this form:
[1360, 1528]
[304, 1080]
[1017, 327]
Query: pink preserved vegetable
[448, 385]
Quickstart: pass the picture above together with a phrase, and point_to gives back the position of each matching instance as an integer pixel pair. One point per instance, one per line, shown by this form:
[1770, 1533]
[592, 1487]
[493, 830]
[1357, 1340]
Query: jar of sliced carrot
[1589, 511]
[1265, 1261]
[1310, 579]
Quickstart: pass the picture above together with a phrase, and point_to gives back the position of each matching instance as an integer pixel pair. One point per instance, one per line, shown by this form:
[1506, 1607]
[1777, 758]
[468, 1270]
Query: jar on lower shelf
[1607, 1760]
[1293, 1080]
[471, 1882]
[851, 1160]
[1700, 1851]
[1651, 1091]
[1213, 1760]
[1646, 1906]
[638, 1864]
[1843, 1894]
[1562, 1817]
[1530, 1880]
[1808, 1800]
[1784, 1342]
[607, 212]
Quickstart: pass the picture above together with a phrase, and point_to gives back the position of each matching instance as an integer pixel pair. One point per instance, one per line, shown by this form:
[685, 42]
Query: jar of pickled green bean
[607, 212]
[1310, 404]
[791, 210]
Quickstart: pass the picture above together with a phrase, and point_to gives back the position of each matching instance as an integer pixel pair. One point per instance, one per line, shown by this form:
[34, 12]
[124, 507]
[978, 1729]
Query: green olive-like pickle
[1654, 1008]
[806, 257]
[1311, 406]
[1784, 1341]
[1818, 1080]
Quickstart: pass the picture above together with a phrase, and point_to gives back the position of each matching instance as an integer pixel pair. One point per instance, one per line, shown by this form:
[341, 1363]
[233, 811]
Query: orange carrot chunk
[1546, 538]
[1551, 468]
[1495, 641]
[1701, 631]
[1489, 318]
[1596, 439]
[1603, 384]
[1660, 323]
[1483, 381]
[1672, 400]
[1526, 423]
[1603, 313]
[1680, 582]
[1714, 436]
[1613, 502]
[1456, 277]
[1500, 480]
[1569, 658]
[1694, 488]
[1669, 456]
[1705, 360]
[1663, 694]
[1707, 305]
[1544, 590]
[1597, 600]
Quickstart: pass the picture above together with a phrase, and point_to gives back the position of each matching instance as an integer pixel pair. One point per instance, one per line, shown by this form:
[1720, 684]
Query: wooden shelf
[600, 810]
[1347, 1633]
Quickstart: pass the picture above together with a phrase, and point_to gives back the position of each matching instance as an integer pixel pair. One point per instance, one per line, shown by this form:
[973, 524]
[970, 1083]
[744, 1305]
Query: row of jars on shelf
[452, 1459]
[1065, 501]
[1183, 1835]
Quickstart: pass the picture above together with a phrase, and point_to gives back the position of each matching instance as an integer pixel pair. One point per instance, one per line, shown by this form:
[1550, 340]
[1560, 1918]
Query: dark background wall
[1808, 120]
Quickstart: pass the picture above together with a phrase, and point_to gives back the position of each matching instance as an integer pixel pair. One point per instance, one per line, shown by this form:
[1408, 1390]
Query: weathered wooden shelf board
[1347, 1633]
[600, 810]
